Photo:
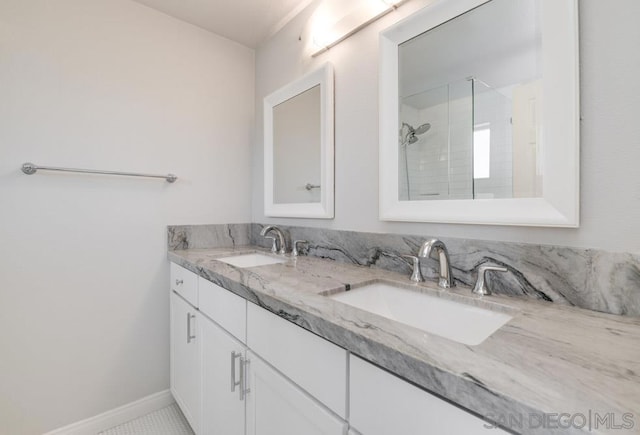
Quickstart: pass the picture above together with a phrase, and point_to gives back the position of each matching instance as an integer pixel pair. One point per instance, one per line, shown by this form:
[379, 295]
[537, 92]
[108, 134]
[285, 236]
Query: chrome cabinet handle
[244, 362]
[189, 335]
[235, 383]
[179, 281]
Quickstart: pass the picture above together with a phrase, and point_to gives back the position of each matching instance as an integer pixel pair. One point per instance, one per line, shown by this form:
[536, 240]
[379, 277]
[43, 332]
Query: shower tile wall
[427, 159]
[440, 163]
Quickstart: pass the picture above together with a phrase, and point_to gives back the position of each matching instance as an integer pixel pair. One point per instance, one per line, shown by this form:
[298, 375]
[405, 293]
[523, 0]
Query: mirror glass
[299, 147]
[468, 122]
[296, 149]
[479, 114]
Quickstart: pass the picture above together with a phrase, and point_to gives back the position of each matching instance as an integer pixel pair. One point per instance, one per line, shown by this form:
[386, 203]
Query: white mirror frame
[325, 208]
[559, 206]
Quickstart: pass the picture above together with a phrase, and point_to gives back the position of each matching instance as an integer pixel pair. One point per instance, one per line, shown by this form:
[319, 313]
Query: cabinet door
[185, 359]
[383, 404]
[277, 406]
[222, 407]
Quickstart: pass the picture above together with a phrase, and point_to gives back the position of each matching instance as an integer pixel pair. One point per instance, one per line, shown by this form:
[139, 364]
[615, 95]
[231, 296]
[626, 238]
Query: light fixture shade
[335, 20]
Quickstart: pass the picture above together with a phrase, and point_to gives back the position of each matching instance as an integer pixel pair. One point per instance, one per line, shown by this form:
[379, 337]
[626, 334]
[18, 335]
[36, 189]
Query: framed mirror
[479, 114]
[299, 148]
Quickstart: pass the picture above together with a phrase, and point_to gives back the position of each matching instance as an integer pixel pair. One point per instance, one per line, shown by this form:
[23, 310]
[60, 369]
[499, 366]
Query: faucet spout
[281, 246]
[445, 279]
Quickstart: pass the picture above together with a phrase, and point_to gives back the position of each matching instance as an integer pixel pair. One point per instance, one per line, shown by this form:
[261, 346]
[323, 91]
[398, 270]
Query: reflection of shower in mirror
[406, 139]
[410, 136]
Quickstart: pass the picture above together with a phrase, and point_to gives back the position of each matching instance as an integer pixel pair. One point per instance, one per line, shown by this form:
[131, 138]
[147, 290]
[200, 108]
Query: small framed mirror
[479, 114]
[299, 148]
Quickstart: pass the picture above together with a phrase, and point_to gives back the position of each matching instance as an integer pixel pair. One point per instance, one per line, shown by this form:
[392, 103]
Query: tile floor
[166, 421]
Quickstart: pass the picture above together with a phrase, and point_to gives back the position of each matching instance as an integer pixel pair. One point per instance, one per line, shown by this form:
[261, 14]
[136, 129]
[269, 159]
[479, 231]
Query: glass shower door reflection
[435, 141]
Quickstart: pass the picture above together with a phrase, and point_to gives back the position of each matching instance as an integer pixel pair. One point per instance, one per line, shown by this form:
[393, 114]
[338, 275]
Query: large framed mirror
[299, 148]
[479, 114]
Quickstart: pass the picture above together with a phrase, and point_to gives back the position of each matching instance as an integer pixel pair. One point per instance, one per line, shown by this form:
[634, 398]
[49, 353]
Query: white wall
[610, 146]
[105, 84]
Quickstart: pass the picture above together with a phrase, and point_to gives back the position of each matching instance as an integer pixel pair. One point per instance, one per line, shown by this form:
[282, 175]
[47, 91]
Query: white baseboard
[122, 414]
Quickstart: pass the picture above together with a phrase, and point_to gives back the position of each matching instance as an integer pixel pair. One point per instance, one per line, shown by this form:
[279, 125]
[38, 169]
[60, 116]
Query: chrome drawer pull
[243, 381]
[189, 336]
[234, 383]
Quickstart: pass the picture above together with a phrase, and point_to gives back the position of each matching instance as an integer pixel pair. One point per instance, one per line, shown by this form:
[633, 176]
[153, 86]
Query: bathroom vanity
[235, 363]
[266, 349]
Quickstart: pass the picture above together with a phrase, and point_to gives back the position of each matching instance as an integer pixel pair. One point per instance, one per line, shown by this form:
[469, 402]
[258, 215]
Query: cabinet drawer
[314, 364]
[407, 408]
[185, 283]
[225, 308]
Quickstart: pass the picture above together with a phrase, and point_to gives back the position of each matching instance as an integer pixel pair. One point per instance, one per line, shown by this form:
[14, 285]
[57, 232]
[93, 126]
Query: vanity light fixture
[334, 21]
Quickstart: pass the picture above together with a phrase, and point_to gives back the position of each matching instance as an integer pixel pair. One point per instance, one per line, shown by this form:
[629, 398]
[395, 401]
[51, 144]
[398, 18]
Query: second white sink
[456, 321]
[251, 260]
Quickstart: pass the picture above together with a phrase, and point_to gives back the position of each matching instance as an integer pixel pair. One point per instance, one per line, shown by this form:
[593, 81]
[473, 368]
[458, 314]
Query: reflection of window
[481, 151]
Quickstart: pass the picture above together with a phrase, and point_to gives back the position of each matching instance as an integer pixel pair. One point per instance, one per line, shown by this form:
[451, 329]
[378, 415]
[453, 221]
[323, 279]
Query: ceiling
[248, 22]
[498, 43]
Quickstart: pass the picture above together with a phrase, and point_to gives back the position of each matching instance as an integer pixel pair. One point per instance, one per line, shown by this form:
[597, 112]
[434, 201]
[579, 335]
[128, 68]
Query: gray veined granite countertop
[548, 360]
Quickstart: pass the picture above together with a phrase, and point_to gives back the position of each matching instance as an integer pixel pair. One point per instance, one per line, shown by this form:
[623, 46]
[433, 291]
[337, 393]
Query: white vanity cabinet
[383, 404]
[206, 354]
[277, 406]
[185, 359]
[223, 388]
[238, 369]
[223, 362]
[311, 362]
[297, 380]
[223, 331]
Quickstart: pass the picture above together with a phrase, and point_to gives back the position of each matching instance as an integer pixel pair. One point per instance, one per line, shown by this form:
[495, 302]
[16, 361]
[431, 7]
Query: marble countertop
[546, 361]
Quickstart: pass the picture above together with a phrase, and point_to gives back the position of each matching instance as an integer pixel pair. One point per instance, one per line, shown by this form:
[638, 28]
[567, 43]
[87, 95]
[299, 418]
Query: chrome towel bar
[310, 186]
[30, 169]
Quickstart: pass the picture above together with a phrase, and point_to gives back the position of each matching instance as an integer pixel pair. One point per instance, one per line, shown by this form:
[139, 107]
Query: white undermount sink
[456, 321]
[251, 260]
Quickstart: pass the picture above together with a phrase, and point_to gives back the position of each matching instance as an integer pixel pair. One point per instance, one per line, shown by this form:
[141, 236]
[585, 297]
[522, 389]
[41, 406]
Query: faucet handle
[416, 275]
[274, 243]
[295, 252]
[481, 287]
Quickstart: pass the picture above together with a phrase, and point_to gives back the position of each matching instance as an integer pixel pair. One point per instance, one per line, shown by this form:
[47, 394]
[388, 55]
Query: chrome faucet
[279, 241]
[446, 278]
